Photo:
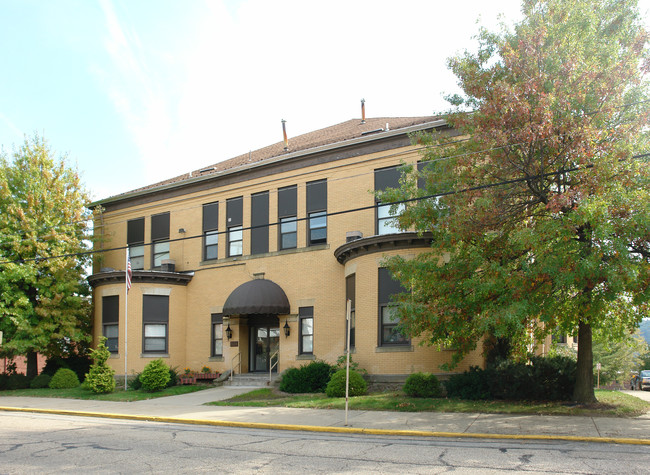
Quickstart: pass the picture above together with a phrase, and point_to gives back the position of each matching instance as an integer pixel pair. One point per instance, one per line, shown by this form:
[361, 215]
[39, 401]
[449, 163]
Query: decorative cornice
[386, 242]
[140, 277]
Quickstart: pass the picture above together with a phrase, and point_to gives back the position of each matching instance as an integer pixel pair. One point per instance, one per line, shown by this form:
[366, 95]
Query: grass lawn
[119, 395]
[610, 403]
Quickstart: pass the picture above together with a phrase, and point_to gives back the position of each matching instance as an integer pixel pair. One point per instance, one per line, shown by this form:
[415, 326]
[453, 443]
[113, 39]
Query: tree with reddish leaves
[541, 221]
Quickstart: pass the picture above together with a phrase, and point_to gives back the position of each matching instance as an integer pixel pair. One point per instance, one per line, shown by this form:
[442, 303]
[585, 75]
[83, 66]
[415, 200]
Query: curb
[335, 430]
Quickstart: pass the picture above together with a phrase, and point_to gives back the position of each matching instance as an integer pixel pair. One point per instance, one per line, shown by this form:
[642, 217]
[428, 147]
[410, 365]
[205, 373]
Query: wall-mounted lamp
[181, 230]
[287, 329]
[229, 332]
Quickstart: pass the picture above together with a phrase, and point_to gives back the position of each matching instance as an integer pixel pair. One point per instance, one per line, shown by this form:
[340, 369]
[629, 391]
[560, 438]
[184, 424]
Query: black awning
[258, 296]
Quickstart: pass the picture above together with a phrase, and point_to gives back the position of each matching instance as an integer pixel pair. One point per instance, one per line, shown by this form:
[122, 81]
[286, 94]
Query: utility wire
[334, 213]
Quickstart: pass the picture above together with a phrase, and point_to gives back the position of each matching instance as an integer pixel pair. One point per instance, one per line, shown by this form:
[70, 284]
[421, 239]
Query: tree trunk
[32, 364]
[583, 392]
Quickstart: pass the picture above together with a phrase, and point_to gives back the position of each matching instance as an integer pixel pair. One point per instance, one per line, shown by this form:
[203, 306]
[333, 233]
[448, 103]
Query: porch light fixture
[287, 329]
[229, 332]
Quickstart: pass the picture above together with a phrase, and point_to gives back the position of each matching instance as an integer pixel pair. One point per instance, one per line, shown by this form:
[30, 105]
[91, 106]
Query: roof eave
[276, 159]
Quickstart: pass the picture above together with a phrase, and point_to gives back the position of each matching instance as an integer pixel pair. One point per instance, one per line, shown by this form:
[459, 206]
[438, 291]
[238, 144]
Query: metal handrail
[273, 365]
[233, 366]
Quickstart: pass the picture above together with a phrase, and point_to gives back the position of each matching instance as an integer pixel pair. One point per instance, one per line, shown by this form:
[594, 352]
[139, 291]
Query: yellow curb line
[339, 430]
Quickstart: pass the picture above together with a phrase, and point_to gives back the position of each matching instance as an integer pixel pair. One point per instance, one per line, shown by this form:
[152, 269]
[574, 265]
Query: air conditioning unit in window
[168, 265]
[353, 236]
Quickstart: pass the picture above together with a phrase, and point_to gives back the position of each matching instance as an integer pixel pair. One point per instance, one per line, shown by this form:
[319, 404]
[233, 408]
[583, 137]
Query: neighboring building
[257, 255]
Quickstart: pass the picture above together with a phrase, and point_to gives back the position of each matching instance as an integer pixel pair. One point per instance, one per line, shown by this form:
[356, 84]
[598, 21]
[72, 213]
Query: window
[210, 230]
[349, 295]
[160, 238]
[259, 223]
[387, 178]
[388, 318]
[317, 212]
[287, 209]
[217, 334]
[155, 321]
[234, 211]
[135, 241]
[306, 317]
[389, 321]
[110, 321]
[288, 233]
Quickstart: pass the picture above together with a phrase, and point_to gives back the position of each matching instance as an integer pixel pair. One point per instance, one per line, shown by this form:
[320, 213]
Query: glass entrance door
[266, 342]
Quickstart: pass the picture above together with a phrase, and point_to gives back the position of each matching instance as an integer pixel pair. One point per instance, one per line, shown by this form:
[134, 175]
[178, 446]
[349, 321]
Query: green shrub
[336, 386]
[136, 383]
[155, 376]
[100, 378]
[309, 378]
[18, 381]
[40, 381]
[64, 378]
[543, 379]
[422, 385]
[4, 381]
[80, 364]
[173, 377]
[472, 384]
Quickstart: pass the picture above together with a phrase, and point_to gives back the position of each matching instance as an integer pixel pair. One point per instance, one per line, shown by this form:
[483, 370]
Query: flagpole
[126, 312]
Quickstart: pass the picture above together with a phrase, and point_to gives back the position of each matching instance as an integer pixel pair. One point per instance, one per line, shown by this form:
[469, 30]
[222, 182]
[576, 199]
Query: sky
[136, 91]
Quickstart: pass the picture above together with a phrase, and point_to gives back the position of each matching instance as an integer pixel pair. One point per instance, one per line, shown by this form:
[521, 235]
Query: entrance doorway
[264, 344]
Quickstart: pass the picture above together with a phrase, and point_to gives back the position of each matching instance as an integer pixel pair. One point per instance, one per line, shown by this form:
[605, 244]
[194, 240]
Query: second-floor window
[160, 238]
[234, 211]
[135, 241]
[287, 209]
[317, 212]
[387, 178]
[210, 230]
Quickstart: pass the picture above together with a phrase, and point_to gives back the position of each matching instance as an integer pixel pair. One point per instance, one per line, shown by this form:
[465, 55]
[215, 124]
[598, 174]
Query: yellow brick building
[251, 261]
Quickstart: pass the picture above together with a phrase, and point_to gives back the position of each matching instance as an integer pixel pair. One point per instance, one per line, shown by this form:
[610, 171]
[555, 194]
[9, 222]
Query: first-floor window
[155, 320]
[390, 335]
[111, 332]
[306, 317]
[160, 252]
[110, 321]
[155, 337]
[235, 241]
[217, 335]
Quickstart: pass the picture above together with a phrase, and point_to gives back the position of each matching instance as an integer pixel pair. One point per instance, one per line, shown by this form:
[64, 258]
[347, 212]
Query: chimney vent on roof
[205, 170]
[363, 111]
[284, 133]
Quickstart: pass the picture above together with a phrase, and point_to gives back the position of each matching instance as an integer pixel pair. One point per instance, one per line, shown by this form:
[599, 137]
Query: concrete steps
[257, 380]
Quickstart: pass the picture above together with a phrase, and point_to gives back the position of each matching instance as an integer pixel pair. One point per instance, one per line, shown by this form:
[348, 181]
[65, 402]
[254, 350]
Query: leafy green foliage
[4, 381]
[41, 381]
[155, 376]
[336, 386]
[309, 378]
[18, 381]
[136, 383]
[44, 302]
[544, 379]
[64, 378]
[101, 377]
[79, 363]
[543, 218]
[173, 377]
[422, 385]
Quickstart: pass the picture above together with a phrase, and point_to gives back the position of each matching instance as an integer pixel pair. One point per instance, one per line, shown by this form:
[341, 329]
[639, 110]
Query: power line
[328, 214]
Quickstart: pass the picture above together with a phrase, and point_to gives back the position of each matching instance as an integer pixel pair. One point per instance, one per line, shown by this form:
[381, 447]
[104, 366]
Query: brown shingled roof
[350, 129]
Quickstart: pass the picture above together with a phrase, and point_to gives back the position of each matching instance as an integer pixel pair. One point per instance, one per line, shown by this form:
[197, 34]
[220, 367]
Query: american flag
[129, 272]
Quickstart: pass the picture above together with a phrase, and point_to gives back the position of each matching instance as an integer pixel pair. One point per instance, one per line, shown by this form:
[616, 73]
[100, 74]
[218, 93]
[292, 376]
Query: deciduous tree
[542, 221]
[43, 300]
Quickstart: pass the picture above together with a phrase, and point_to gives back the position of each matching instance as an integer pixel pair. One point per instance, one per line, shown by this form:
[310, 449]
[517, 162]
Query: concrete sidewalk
[190, 408]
